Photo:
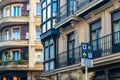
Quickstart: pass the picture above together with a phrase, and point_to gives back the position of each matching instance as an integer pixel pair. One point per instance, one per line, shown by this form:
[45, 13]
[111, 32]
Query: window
[48, 11]
[48, 25]
[44, 15]
[44, 28]
[49, 53]
[44, 4]
[71, 46]
[39, 56]
[48, 1]
[38, 9]
[54, 9]
[6, 56]
[38, 33]
[16, 55]
[6, 35]
[116, 27]
[17, 11]
[7, 12]
[96, 40]
[72, 6]
[16, 34]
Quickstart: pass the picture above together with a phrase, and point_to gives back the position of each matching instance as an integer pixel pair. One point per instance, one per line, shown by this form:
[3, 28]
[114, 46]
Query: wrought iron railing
[13, 14]
[17, 37]
[68, 57]
[70, 8]
[103, 46]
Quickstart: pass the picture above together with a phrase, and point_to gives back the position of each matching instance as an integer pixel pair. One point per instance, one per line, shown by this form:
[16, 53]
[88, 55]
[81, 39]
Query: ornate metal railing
[70, 8]
[69, 57]
[103, 46]
[17, 37]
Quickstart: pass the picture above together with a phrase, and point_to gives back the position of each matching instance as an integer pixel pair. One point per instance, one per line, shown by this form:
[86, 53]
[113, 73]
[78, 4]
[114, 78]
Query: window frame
[49, 58]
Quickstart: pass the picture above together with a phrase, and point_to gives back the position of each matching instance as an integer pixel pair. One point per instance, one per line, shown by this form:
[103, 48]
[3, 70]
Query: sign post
[87, 57]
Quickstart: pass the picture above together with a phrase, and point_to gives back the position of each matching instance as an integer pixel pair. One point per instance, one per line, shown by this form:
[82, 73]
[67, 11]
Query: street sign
[87, 62]
[87, 55]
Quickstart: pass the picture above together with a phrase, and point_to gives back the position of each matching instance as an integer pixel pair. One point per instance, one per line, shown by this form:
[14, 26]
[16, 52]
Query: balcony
[6, 2]
[64, 60]
[9, 42]
[6, 20]
[14, 65]
[74, 9]
[106, 50]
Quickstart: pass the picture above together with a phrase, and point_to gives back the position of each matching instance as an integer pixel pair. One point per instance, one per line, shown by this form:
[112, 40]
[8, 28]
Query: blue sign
[87, 50]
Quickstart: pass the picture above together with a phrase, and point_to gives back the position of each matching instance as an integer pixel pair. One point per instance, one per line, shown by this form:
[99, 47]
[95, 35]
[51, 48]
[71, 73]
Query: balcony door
[6, 35]
[72, 6]
[16, 34]
[16, 55]
[96, 40]
[116, 31]
[17, 11]
[71, 46]
[6, 56]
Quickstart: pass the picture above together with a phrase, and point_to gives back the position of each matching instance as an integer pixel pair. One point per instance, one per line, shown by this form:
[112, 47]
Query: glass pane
[46, 66]
[116, 26]
[44, 15]
[38, 32]
[54, 9]
[46, 43]
[6, 56]
[52, 64]
[49, 12]
[44, 4]
[54, 21]
[17, 11]
[6, 35]
[99, 32]
[48, 25]
[94, 42]
[16, 34]
[51, 41]
[38, 9]
[16, 55]
[44, 28]
[46, 54]
[52, 54]
[48, 1]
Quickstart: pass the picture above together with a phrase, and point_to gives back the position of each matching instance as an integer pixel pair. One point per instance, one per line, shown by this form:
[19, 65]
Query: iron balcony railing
[70, 8]
[13, 14]
[68, 57]
[103, 46]
[17, 37]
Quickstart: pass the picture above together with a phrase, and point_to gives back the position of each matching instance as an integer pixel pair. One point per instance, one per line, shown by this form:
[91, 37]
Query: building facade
[91, 21]
[20, 47]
